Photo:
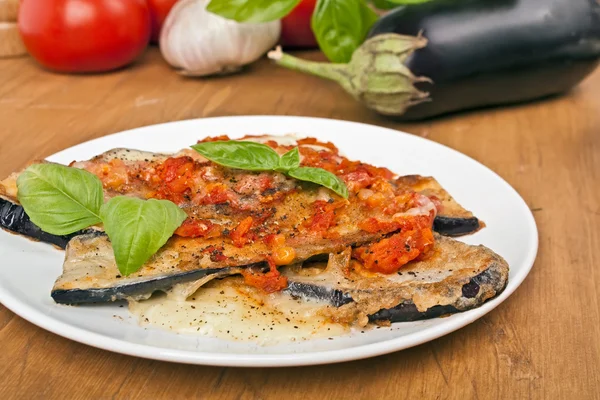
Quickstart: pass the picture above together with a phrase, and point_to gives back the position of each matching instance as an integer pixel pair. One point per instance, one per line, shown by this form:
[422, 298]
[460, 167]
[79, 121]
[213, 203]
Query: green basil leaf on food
[249, 156]
[139, 228]
[340, 26]
[252, 10]
[289, 160]
[321, 177]
[59, 199]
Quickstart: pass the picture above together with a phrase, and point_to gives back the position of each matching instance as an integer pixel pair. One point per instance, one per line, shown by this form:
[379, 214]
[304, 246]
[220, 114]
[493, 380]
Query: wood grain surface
[542, 343]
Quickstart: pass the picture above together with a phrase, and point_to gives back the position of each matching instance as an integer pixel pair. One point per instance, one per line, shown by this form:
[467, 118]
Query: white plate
[29, 269]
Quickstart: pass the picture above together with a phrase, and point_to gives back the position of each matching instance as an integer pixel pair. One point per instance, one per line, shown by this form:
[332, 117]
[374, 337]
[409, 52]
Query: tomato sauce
[414, 239]
[270, 282]
[250, 199]
[193, 228]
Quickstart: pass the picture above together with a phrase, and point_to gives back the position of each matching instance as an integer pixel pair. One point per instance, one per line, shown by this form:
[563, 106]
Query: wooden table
[543, 342]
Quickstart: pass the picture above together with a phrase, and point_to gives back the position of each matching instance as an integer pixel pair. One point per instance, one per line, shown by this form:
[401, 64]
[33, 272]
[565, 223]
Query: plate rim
[91, 338]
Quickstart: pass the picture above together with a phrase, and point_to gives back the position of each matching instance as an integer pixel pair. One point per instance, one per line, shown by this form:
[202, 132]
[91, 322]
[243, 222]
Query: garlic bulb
[200, 43]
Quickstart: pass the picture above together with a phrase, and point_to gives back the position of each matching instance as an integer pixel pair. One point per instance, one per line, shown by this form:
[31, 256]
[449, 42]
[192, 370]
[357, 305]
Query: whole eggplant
[491, 52]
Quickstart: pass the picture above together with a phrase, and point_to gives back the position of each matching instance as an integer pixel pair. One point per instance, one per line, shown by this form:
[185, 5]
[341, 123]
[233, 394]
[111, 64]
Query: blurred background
[404, 59]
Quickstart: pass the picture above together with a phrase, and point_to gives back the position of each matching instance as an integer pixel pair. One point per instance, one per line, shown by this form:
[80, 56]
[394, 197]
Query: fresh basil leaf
[250, 156]
[321, 177]
[138, 228]
[289, 160]
[59, 199]
[340, 26]
[254, 156]
[252, 10]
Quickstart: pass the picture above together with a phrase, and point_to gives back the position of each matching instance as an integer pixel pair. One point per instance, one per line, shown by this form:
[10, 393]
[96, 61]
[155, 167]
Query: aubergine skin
[133, 290]
[494, 52]
[408, 311]
[455, 226]
[13, 218]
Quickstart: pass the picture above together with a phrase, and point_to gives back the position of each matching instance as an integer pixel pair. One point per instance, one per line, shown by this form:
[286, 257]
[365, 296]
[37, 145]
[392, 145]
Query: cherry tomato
[295, 27]
[159, 9]
[84, 35]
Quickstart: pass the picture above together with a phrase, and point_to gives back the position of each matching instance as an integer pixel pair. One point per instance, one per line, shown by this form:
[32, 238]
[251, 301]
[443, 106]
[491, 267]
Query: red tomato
[84, 35]
[159, 9]
[295, 27]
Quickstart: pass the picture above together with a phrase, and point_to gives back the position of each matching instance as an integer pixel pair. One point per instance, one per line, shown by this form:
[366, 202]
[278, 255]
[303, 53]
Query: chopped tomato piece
[193, 228]
[175, 179]
[239, 234]
[376, 200]
[269, 282]
[358, 179]
[271, 143]
[176, 172]
[221, 138]
[373, 225]
[323, 215]
[320, 159]
[389, 255]
[217, 193]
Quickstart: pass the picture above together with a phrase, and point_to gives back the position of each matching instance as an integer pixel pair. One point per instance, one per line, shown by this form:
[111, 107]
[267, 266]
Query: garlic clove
[200, 43]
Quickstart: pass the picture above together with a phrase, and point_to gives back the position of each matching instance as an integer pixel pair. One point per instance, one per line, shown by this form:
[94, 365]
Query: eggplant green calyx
[376, 75]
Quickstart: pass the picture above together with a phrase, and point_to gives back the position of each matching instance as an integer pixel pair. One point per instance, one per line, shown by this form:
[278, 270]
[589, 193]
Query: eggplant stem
[334, 72]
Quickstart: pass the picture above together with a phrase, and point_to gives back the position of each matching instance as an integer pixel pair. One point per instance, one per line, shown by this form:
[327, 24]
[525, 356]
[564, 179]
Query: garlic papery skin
[201, 43]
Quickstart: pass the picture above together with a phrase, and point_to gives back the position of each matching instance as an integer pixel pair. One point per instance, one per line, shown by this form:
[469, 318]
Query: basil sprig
[63, 200]
[260, 157]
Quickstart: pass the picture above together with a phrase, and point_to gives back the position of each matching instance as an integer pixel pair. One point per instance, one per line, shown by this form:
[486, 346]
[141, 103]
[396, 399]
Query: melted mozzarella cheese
[232, 312]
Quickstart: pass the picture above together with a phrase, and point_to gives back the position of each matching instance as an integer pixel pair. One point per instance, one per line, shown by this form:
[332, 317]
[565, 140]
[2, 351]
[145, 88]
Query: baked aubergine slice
[452, 220]
[90, 273]
[456, 277]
